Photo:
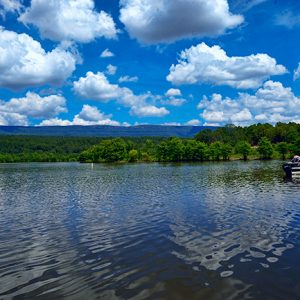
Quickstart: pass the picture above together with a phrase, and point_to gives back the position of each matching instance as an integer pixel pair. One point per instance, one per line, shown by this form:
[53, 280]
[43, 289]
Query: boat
[292, 168]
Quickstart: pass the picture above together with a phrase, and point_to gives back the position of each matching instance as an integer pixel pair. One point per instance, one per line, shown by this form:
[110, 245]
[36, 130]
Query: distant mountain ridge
[105, 130]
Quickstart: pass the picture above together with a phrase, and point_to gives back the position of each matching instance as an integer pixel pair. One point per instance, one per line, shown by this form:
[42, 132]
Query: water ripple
[199, 231]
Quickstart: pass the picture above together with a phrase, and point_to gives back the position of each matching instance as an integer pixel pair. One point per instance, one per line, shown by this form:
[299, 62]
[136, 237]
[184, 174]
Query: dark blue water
[149, 231]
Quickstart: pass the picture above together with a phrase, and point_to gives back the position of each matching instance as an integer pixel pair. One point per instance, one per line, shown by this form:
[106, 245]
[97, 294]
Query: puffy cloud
[89, 115]
[193, 122]
[128, 79]
[24, 63]
[32, 105]
[12, 119]
[213, 116]
[271, 103]
[149, 111]
[241, 116]
[9, 6]
[74, 20]
[166, 21]
[18, 110]
[272, 98]
[173, 92]
[78, 121]
[203, 64]
[97, 87]
[261, 118]
[171, 100]
[56, 122]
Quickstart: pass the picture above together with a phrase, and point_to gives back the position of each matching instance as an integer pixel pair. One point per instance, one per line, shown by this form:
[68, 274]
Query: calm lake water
[149, 231]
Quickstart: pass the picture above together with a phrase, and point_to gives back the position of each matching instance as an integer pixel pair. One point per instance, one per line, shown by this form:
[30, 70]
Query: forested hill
[105, 131]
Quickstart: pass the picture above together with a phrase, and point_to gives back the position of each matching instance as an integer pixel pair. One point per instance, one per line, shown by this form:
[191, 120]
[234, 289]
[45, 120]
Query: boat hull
[292, 169]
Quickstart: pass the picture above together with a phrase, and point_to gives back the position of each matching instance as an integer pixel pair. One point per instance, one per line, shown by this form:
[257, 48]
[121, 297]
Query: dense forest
[259, 141]
[51, 149]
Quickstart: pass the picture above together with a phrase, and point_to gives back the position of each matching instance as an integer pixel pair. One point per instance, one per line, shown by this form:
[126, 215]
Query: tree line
[50, 148]
[177, 150]
[260, 141]
[281, 132]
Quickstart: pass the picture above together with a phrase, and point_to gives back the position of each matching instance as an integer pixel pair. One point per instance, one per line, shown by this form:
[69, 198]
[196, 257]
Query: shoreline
[148, 162]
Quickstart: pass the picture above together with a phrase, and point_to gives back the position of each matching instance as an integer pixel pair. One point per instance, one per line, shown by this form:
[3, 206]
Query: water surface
[149, 231]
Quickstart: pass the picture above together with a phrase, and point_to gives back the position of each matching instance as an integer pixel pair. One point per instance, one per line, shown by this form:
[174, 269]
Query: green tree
[114, 150]
[171, 150]
[283, 149]
[243, 148]
[175, 149]
[295, 147]
[106, 151]
[205, 136]
[162, 152]
[195, 151]
[144, 156]
[292, 135]
[226, 150]
[215, 150]
[133, 155]
[265, 148]
[148, 150]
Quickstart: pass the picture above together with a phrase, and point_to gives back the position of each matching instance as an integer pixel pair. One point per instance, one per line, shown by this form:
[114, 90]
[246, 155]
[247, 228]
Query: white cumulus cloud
[166, 21]
[17, 111]
[56, 122]
[149, 111]
[33, 105]
[89, 115]
[12, 119]
[271, 103]
[203, 64]
[172, 98]
[92, 113]
[75, 20]
[97, 87]
[193, 122]
[24, 63]
[241, 116]
[173, 92]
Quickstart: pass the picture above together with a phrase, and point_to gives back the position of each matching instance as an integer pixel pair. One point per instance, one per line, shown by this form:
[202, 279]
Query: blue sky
[127, 62]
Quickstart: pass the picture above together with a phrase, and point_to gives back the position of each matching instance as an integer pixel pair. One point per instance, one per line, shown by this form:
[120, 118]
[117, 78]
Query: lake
[149, 231]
